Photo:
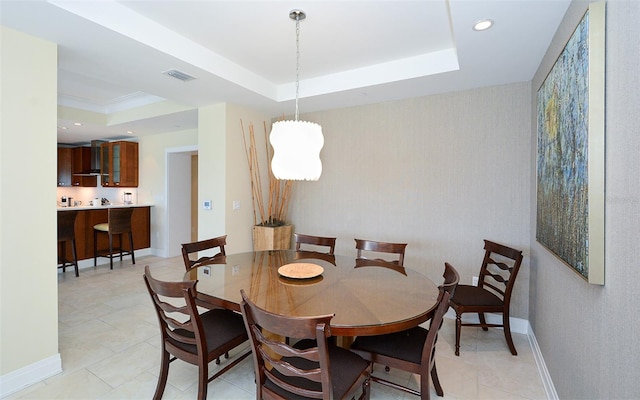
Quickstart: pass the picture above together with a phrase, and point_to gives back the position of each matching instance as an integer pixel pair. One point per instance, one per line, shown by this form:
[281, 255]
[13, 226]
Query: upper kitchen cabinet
[64, 166]
[119, 164]
[81, 167]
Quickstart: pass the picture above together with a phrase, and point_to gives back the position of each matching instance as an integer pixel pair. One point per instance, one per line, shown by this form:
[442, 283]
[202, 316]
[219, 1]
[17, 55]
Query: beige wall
[440, 173]
[238, 184]
[223, 175]
[28, 286]
[152, 169]
[589, 335]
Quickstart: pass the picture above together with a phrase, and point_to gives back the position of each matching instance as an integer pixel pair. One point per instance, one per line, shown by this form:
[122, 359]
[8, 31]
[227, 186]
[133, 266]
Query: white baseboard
[26, 376]
[549, 388]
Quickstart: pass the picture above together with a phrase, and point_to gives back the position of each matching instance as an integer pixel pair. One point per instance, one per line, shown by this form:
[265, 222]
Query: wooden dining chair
[118, 223]
[202, 246]
[199, 339]
[318, 371]
[493, 294]
[314, 243]
[411, 350]
[380, 247]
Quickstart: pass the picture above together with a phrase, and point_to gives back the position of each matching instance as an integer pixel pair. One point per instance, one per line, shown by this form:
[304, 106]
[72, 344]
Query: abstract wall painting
[570, 159]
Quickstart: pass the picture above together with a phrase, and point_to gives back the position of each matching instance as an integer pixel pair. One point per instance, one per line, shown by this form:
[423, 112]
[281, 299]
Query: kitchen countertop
[113, 205]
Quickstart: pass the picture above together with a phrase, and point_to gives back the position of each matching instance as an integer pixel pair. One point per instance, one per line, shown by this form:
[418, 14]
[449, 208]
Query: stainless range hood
[95, 159]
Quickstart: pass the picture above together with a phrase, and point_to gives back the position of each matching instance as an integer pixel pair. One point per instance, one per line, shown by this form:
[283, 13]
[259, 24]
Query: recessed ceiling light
[64, 128]
[77, 123]
[129, 132]
[483, 25]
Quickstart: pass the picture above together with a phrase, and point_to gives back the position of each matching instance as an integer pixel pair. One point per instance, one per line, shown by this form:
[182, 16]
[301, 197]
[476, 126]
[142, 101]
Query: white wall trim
[26, 376]
[549, 387]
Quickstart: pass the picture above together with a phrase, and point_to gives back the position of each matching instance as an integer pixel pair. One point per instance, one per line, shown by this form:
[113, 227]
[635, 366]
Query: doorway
[182, 198]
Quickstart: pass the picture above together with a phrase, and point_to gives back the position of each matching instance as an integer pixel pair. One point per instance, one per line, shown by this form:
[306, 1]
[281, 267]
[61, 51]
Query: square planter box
[272, 238]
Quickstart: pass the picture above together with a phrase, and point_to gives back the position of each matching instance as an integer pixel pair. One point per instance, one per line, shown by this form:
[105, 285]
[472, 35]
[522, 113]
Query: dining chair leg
[162, 378]
[507, 333]
[458, 326]
[111, 251]
[133, 256]
[425, 390]
[95, 248]
[366, 388]
[75, 256]
[436, 381]
[483, 321]
[203, 381]
[63, 255]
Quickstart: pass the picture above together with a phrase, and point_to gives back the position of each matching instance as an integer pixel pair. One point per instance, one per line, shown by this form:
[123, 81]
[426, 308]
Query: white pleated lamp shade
[296, 150]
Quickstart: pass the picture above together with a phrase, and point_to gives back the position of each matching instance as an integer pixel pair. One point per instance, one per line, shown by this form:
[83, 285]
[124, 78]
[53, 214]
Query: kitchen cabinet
[81, 164]
[119, 164]
[64, 166]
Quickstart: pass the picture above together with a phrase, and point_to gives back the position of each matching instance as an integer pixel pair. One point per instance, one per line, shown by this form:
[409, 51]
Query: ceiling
[112, 55]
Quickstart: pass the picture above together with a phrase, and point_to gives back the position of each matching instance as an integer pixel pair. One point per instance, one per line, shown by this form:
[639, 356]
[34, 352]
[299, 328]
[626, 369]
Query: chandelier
[296, 144]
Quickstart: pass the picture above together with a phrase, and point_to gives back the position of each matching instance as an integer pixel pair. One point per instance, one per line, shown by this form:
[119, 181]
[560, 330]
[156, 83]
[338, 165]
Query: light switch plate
[206, 204]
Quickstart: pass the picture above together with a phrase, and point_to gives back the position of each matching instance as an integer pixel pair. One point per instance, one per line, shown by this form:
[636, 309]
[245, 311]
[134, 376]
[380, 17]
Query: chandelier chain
[297, 63]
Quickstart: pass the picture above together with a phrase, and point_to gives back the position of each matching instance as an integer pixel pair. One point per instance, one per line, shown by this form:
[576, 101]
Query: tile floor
[109, 344]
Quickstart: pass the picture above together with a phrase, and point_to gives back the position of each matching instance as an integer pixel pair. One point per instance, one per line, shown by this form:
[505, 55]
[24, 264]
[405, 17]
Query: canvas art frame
[571, 151]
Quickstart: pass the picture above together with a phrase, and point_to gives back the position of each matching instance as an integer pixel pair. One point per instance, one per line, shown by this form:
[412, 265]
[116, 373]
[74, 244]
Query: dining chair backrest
[451, 279]
[314, 242]
[202, 246]
[187, 335]
[429, 348]
[284, 371]
[363, 245]
[499, 269]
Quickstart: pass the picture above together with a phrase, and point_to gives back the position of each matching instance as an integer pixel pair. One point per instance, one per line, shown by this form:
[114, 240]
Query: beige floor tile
[126, 365]
[110, 347]
[80, 384]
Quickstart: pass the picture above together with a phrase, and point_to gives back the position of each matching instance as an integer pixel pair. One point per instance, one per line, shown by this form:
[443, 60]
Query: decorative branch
[279, 191]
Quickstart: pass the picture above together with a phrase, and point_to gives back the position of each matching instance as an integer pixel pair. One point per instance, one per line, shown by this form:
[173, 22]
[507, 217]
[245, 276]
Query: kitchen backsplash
[86, 194]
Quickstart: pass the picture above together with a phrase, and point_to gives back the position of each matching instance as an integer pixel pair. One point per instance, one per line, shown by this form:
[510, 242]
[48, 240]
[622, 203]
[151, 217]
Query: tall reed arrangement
[279, 191]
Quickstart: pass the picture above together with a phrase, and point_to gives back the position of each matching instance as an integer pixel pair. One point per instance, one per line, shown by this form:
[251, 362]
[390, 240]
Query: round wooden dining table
[367, 298]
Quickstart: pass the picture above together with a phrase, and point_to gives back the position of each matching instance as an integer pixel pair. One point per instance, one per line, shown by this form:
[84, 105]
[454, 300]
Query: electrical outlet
[474, 281]
[236, 204]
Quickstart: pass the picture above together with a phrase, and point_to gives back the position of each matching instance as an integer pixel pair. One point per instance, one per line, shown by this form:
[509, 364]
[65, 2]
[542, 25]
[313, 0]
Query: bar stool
[67, 233]
[119, 222]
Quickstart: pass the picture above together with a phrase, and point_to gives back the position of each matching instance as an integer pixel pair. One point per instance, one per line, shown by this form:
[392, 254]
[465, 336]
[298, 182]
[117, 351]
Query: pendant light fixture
[296, 144]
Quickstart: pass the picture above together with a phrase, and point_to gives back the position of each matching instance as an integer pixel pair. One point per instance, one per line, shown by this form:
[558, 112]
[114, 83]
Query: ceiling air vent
[179, 75]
